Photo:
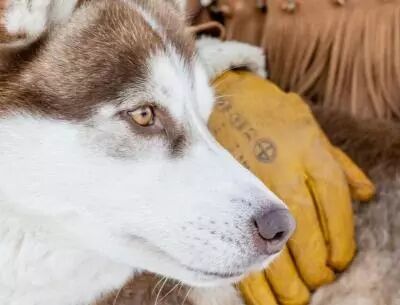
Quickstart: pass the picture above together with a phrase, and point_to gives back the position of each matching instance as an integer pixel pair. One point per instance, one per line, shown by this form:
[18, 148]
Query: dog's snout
[275, 228]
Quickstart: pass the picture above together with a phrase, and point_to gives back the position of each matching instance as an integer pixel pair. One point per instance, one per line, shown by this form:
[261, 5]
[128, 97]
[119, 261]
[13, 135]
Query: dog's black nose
[275, 227]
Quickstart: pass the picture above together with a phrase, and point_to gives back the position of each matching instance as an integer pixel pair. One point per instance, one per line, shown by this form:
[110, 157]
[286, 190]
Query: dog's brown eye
[143, 116]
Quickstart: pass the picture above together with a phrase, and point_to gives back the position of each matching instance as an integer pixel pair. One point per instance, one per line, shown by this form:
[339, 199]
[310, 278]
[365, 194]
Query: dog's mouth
[232, 276]
[203, 275]
[216, 275]
[208, 275]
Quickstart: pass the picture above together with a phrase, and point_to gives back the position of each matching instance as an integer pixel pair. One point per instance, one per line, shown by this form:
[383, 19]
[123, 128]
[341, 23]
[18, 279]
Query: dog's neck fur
[53, 272]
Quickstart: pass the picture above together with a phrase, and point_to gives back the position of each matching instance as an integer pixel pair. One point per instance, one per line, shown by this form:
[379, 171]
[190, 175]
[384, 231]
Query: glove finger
[307, 244]
[287, 285]
[331, 194]
[361, 188]
[256, 290]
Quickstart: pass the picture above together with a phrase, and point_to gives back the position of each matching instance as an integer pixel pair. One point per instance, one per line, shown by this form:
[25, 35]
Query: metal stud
[290, 6]
[340, 2]
[206, 3]
[262, 5]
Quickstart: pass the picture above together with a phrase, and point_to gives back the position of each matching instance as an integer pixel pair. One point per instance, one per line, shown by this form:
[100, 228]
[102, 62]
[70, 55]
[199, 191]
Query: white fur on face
[188, 217]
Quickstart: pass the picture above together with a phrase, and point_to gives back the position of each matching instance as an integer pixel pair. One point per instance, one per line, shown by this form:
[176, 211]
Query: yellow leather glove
[274, 134]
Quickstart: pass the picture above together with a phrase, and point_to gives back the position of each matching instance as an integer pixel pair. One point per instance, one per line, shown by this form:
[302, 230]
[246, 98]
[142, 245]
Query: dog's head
[103, 141]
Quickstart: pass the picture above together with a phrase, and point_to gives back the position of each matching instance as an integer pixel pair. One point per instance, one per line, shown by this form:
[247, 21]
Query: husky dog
[107, 168]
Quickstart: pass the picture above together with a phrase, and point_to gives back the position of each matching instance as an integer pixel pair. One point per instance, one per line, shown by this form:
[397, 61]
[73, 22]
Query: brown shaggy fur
[373, 144]
[148, 289]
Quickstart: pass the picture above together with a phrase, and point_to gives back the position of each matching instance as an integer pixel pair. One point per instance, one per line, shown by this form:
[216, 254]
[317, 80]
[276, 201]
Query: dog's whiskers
[117, 296]
[218, 83]
[159, 291]
[186, 296]
[180, 286]
[218, 97]
[170, 291]
[156, 285]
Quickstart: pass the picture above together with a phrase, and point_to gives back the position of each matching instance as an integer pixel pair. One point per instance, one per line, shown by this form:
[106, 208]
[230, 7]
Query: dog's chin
[201, 278]
[210, 279]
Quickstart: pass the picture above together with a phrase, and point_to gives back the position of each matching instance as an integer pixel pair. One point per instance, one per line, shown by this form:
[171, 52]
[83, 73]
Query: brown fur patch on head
[172, 21]
[103, 50]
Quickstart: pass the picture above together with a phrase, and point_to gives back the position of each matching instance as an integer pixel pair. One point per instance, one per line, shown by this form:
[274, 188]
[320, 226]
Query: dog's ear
[24, 21]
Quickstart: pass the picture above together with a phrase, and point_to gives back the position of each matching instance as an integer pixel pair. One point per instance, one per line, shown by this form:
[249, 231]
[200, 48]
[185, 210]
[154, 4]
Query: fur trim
[339, 55]
[371, 143]
[219, 56]
[373, 278]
